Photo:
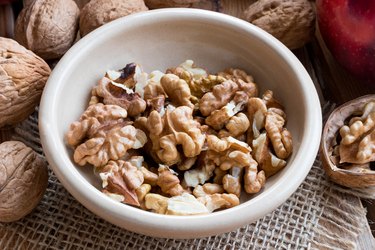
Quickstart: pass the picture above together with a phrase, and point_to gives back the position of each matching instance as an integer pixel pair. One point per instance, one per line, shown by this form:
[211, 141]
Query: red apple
[348, 29]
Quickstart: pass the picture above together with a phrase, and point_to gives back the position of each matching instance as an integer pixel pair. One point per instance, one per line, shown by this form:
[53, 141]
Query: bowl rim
[149, 223]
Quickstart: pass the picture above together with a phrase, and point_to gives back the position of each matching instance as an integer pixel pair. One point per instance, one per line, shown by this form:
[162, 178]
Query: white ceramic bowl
[157, 40]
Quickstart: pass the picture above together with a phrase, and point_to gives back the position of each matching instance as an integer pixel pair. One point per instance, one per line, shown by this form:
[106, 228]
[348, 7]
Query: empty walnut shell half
[346, 174]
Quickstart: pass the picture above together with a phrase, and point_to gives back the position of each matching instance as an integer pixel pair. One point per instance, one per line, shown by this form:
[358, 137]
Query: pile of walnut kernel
[183, 142]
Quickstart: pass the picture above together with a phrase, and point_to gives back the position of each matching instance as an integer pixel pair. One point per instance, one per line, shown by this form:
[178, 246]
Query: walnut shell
[155, 4]
[22, 78]
[290, 21]
[23, 180]
[48, 28]
[98, 12]
[354, 176]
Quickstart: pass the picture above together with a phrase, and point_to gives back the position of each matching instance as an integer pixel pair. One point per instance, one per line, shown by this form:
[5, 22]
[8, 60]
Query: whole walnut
[290, 21]
[22, 78]
[23, 180]
[98, 12]
[48, 28]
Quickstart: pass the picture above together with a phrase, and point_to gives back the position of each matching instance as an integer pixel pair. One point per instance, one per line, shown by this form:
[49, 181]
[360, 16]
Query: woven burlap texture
[317, 215]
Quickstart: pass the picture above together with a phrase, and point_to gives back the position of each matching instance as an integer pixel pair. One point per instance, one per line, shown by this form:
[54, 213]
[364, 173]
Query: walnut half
[347, 136]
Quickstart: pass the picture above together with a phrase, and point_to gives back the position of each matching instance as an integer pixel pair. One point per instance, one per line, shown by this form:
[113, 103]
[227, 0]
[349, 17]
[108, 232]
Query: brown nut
[155, 4]
[346, 174]
[290, 21]
[22, 78]
[98, 12]
[48, 28]
[23, 180]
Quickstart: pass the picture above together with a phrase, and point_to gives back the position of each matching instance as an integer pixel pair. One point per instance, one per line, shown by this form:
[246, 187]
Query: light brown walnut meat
[102, 134]
[290, 21]
[99, 12]
[208, 189]
[237, 125]
[221, 94]
[232, 181]
[358, 137]
[267, 161]
[200, 82]
[176, 127]
[245, 81]
[219, 201]
[201, 173]
[23, 180]
[254, 180]
[280, 137]
[168, 182]
[256, 111]
[177, 90]
[22, 78]
[155, 4]
[359, 125]
[117, 94]
[120, 181]
[219, 118]
[48, 28]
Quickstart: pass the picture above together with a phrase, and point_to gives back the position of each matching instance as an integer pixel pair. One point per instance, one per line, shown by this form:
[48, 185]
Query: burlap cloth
[318, 215]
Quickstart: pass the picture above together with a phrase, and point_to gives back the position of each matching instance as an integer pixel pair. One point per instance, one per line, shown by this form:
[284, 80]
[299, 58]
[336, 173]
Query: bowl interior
[159, 41]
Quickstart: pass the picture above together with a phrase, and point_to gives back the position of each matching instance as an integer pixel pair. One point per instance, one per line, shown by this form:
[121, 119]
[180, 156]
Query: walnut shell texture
[98, 12]
[23, 180]
[355, 176]
[290, 21]
[155, 4]
[22, 78]
[48, 28]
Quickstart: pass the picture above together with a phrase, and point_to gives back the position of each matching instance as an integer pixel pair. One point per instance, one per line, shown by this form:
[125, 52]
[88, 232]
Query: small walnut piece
[347, 161]
[155, 4]
[280, 137]
[168, 182]
[185, 204]
[23, 180]
[48, 28]
[99, 12]
[177, 90]
[290, 21]
[219, 201]
[121, 180]
[267, 161]
[22, 78]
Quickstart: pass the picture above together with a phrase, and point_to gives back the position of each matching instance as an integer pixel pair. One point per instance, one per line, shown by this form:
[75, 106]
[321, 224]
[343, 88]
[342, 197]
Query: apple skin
[348, 29]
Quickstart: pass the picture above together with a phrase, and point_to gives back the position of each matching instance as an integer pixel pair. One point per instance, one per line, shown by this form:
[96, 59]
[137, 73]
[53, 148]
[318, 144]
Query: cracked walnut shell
[342, 165]
[23, 180]
[22, 78]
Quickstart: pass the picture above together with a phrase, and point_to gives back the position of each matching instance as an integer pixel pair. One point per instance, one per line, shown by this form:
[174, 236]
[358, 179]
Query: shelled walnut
[200, 141]
[348, 143]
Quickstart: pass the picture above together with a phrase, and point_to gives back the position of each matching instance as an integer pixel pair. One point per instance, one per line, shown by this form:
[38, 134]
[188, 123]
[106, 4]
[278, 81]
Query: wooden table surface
[333, 83]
